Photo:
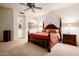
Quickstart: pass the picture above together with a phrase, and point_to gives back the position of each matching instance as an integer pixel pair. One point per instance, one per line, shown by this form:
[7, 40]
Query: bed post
[28, 37]
[43, 24]
[60, 30]
[48, 43]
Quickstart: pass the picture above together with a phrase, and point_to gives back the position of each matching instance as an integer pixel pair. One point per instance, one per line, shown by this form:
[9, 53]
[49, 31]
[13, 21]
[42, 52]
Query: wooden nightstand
[69, 39]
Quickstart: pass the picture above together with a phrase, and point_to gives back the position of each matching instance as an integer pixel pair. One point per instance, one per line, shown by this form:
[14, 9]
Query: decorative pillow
[47, 30]
[54, 30]
[57, 30]
[51, 30]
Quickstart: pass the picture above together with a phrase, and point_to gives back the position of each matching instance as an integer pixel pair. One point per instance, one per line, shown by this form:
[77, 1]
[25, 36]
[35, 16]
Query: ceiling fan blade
[21, 12]
[26, 9]
[23, 4]
[32, 9]
[37, 7]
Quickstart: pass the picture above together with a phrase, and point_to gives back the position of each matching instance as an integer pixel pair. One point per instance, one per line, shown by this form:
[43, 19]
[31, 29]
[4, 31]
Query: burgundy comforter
[54, 37]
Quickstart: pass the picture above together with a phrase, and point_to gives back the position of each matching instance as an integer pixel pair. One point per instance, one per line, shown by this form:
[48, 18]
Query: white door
[21, 25]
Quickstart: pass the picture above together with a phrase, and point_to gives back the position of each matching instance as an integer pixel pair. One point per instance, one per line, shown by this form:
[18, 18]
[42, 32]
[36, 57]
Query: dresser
[6, 35]
[69, 39]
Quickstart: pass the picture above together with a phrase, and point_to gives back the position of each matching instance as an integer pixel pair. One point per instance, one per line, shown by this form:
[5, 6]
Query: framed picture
[31, 25]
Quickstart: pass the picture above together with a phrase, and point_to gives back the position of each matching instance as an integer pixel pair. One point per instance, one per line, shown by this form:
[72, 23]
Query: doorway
[21, 26]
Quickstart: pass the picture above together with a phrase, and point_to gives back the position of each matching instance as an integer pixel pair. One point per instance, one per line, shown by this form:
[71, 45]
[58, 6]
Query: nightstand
[69, 39]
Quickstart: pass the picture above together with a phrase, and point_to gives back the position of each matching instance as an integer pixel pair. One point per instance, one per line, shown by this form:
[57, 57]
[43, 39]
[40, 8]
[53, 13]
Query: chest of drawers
[69, 39]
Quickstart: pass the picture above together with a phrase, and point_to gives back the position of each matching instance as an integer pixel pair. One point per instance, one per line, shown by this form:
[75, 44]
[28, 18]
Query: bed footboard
[44, 42]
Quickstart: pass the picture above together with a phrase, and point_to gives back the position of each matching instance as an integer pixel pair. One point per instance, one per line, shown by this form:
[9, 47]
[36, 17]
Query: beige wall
[38, 21]
[6, 21]
[9, 21]
[51, 18]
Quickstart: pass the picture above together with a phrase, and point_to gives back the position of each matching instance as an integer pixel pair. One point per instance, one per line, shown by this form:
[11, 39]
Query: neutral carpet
[21, 48]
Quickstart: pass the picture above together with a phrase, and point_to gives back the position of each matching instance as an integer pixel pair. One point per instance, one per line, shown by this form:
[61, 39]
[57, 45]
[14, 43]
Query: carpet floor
[21, 48]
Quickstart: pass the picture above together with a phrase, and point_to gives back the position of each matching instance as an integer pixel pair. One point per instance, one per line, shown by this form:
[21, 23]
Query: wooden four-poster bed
[49, 36]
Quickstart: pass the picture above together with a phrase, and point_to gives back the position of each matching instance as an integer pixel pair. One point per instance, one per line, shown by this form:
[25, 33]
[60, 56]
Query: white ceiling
[46, 7]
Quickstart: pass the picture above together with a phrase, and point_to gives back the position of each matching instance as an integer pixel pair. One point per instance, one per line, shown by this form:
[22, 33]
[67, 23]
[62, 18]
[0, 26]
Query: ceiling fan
[31, 6]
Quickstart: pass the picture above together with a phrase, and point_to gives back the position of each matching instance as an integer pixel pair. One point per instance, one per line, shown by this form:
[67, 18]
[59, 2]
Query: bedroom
[68, 13]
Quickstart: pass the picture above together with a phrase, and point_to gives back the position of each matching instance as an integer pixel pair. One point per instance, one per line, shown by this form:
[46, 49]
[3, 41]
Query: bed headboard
[51, 26]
